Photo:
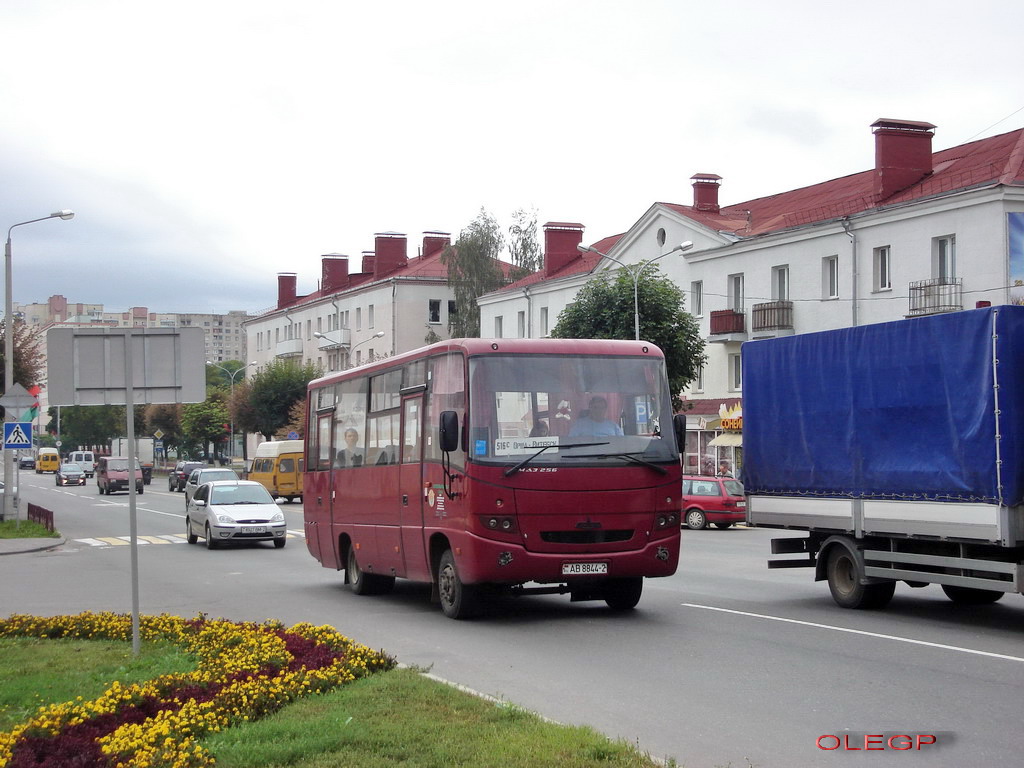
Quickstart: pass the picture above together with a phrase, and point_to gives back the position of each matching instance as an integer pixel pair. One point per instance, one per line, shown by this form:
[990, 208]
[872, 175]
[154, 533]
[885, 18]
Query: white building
[921, 232]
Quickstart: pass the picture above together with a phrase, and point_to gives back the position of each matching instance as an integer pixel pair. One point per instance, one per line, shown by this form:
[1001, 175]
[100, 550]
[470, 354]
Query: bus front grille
[585, 537]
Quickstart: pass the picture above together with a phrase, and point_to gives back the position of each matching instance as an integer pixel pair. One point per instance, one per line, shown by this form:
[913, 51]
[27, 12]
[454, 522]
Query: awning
[727, 439]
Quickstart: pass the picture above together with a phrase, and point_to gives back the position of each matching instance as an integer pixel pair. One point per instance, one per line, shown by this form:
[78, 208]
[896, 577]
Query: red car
[717, 500]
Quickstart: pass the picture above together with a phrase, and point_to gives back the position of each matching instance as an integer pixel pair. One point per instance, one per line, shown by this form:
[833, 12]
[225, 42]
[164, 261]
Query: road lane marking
[865, 633]
[168, 538]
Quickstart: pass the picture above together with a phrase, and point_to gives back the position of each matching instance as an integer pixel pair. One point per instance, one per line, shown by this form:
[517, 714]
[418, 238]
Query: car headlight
[225, 520]
[278, 517]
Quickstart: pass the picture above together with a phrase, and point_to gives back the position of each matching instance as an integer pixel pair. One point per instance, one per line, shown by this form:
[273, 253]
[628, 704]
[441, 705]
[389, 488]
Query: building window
[434, 311]
[543, 321]
[780, 283]
[369, 316]
[698, 383]
[697, 298]
[736, 293]
[521, 324]
[735, 373]
[359, 318]
[452, 309]
[830, 277]
[944, 257]
[661, 236]
[882, 267]
[497, 328]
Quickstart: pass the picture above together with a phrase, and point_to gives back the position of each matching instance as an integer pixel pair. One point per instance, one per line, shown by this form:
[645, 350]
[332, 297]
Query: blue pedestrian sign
[17, 435]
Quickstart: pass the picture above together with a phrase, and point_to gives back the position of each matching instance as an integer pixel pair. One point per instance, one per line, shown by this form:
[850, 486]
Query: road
[726, 663]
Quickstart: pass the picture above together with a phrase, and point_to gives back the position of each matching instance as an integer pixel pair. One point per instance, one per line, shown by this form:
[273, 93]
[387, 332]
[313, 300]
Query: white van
[85, 459]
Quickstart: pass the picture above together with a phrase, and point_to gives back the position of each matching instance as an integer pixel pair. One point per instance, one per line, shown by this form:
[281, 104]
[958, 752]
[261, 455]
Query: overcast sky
[207, 145]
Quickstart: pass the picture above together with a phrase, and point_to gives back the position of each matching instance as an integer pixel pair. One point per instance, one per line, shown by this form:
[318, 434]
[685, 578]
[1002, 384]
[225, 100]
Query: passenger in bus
[352, 454]
[596, 423]
[540, 429]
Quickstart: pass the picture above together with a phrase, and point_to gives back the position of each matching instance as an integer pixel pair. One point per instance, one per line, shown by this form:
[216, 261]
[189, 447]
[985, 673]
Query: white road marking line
[940, 646]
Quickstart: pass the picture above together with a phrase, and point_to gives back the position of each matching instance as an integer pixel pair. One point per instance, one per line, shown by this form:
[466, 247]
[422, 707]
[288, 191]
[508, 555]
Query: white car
[226, 511]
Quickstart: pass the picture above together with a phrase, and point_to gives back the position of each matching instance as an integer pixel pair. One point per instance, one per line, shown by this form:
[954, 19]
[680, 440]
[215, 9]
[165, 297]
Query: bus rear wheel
[364, 583]
[458, 600]
[623, 594]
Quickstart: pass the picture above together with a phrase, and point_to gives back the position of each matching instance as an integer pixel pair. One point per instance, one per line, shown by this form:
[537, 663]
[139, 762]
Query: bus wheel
[365, 583]
[971, 595]
[458, 601]
[844, 583]
[623, 594]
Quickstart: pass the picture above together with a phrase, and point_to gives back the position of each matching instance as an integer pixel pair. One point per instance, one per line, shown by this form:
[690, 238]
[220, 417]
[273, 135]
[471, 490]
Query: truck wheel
[623, 594]
[971, 595]
[365, 583]
[844, 583]
[458, 600]
[696, 520]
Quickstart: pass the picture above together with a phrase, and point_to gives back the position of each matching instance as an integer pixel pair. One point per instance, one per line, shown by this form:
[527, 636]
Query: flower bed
[244, 672]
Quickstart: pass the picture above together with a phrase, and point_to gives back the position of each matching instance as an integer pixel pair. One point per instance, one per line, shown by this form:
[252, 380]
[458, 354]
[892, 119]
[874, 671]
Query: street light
[634, 272]
[9, 342]
[231, 374]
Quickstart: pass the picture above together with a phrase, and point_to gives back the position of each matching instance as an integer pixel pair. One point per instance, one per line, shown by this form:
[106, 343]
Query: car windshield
[615, 410]
[121, 465]
[217, 474]
[239, 494]
[70, 468]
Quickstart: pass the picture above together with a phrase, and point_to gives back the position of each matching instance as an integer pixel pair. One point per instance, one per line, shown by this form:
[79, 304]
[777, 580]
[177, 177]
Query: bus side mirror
[449, 431]
[679, 424]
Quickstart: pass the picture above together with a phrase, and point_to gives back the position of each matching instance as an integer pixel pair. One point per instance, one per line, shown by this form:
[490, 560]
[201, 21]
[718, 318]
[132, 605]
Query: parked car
[717, 500]
[27, 461]
[205, 475]
[178, 476]
[112, 475]
[226, 511]
[70, 474]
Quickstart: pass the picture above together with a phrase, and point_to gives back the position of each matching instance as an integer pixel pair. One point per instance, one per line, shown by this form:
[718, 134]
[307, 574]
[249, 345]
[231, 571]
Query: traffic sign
[293, 435]
[17, 435]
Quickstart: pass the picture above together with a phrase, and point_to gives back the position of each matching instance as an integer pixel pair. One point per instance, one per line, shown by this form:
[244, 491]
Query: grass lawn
[25, 529]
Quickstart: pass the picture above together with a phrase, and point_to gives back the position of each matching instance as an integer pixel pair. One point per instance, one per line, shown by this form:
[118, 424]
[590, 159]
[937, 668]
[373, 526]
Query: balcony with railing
[728, 325]
[937, 295]
[771, 318]
[288, 348]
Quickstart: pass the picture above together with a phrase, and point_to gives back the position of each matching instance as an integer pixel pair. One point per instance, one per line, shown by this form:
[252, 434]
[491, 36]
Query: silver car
[226, 511]
[205, 475]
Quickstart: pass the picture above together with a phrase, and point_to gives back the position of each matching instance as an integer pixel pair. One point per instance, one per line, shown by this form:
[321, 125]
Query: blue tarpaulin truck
[898, 447]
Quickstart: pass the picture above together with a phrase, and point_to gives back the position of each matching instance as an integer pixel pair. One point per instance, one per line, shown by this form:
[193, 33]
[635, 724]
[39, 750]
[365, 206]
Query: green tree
[166, 417]
[473, 270]
[89, 426]
[270, 394]
[523, 245]
[204, 423]
[29, 363]
[603, 309]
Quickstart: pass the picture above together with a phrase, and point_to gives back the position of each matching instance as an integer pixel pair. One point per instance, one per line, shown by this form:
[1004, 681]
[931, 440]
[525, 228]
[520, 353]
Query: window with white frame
[497, 327]
[521, 324]
[359, 318]
[944, 257]
[735, 372]
[882, 268]
[369, 316]
[736, 292]
[698, 383]
[780, 283]
[543, 321]
[697, 298]
[830, 277]
[434, 311]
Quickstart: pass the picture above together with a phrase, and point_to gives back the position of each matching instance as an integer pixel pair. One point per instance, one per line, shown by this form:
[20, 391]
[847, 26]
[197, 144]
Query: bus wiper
[512, 470]
[628, 456]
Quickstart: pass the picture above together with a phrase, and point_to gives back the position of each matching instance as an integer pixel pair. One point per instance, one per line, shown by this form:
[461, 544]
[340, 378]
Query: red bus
[484, 465]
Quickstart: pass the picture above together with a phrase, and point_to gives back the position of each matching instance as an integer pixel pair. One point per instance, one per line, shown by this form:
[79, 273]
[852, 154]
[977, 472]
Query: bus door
[317, 502]
[410, 485]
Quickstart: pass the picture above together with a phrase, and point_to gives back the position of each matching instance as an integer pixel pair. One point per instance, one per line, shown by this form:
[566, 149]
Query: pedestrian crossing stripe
[170, 538]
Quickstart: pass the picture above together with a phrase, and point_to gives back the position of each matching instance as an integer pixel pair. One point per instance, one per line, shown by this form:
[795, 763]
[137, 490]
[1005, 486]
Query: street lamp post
[634, 272]
[9, 344]
[231, 375]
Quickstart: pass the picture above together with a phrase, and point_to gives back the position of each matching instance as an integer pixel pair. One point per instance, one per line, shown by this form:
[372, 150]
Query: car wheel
[140, 490]
[458, 600]
[279, 543]
[723, 526]
[210, 542]
[190, 537]
[696, 520]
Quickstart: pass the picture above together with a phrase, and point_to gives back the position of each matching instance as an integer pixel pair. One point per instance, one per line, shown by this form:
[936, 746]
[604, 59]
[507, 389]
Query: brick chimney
[391, 253]
[369, 260]
[333, 272]
[705, 192]
[560, 241]
[903, 154]
[286, 282]
[434, 243]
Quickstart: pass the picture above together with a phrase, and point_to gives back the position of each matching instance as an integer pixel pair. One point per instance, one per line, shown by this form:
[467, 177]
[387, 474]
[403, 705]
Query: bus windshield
[569, 410]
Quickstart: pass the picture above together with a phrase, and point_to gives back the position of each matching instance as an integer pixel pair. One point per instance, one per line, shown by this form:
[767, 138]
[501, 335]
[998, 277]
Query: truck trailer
[898, 448]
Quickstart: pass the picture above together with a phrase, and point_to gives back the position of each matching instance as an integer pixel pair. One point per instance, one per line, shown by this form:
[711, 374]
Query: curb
[24, 546]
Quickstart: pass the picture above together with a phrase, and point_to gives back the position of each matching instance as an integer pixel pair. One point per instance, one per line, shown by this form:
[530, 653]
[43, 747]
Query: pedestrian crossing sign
[17, 435]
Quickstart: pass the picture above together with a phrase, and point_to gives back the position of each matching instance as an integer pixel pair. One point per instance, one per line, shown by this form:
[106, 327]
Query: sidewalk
[19, 546]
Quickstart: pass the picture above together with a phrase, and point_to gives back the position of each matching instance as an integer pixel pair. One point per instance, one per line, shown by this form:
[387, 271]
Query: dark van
[112, 474]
